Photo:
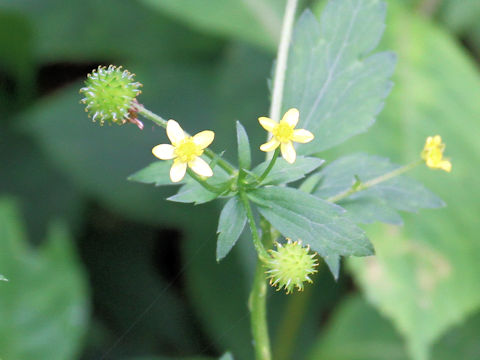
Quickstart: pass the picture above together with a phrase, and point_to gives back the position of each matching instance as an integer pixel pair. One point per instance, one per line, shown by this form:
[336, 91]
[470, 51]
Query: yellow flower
[433, 154]
[185, 151]
[284, 133]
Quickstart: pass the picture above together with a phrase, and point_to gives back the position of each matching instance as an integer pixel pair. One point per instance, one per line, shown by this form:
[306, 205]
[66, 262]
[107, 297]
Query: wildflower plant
[328, 86]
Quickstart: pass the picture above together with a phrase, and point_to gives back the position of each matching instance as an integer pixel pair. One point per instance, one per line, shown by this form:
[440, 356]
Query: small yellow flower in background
[433, 154]
[284, 133]
[185, 151]
[290, 266]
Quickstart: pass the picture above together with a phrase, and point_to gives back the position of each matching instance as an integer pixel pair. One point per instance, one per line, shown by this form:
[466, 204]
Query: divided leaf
[379, 202]
[230, 226]
[284, 173]
[318, 223]
[331, 78]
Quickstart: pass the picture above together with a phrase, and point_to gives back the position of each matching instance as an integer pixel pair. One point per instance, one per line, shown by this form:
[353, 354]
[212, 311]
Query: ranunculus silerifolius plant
[328, 85]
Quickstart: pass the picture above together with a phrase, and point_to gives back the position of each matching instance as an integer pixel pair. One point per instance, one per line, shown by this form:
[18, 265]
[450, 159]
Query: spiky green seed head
[290, 266]
[109, 95]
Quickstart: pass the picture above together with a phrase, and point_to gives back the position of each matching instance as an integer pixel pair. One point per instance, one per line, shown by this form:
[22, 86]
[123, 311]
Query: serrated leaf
[435, 92]
[378, 202]
[244, 155]
[46, 294]
[317, 223]
[331, 77]
[230, 226]
[157, 173]
[283, 172]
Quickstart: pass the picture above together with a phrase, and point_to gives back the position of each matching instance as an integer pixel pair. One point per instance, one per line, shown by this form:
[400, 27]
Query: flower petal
[201, 167]
[270, 146]
[177, 171]
[164, 151]
[288, 152]
[267, 123]
[204, 138]
[291, 117]
[445, 165]
[175, 132]
[302, 136]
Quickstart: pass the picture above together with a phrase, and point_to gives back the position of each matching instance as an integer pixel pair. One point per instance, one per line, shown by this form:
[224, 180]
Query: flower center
[283, 132]
[187, 150]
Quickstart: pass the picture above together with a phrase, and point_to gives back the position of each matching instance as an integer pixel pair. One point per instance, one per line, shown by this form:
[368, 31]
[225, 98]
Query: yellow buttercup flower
[185, 151]
[284, 134]
[433, 154]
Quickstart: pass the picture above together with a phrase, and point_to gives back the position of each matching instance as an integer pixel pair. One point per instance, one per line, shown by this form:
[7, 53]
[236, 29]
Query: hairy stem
[258, 314]
[203, 182]
[257, 242]
[269, 167]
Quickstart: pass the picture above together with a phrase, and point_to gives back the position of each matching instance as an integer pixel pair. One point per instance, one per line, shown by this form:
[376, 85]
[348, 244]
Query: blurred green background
[101, 268]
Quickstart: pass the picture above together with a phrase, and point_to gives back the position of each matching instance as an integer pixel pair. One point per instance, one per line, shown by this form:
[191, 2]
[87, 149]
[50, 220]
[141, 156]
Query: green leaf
[193, 192]
[368, 210]
[378, 202]
[283, 172]
[157, 173]
[230, 226]
[331, 78]
[435, 93]
[47, 289]
[357, 331]
[258, 21]
[317, 223]
[3, 278]
[244, 155]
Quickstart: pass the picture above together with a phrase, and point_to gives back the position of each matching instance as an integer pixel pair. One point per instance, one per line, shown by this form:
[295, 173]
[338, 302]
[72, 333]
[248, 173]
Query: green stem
[257, 242]
[282, 57]
[151, 116]
[221, 162]
[163, 123]
[269, 167]
[257, 300]
[257, 304]
[203, 182]
[375, 181]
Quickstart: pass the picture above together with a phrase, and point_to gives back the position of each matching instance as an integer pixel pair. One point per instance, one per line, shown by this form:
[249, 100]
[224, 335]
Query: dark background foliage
[144, 280]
